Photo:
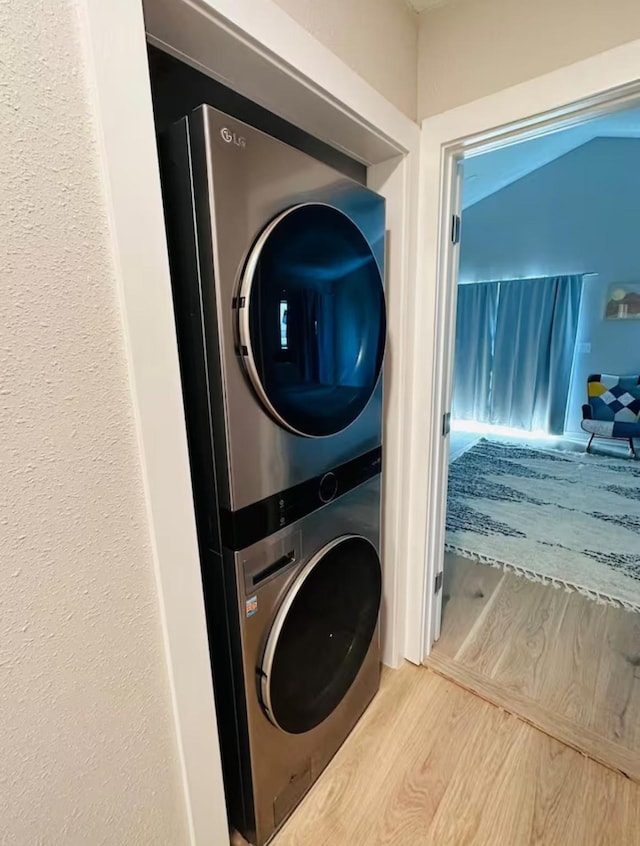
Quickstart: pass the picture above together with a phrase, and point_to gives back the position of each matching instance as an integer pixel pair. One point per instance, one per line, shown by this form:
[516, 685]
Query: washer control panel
[328, 487]
[248, 525]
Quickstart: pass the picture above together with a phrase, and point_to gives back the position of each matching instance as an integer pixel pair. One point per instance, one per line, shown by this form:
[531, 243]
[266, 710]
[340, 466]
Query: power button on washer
[328, 487]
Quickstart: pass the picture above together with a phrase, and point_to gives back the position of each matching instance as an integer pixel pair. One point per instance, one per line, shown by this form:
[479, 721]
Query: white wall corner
[117, 62]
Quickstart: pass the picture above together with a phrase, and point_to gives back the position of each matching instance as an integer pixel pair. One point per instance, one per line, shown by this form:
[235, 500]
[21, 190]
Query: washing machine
[277, 274]
[303, 609]
[277, 262]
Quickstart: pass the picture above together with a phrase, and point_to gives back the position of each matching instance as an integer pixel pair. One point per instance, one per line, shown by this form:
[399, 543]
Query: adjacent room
[541, 607]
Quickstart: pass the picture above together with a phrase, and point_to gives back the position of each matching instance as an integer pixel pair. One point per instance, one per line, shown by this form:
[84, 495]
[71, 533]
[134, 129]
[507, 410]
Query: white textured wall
[471, 48]
[88, 750]
[376, 38]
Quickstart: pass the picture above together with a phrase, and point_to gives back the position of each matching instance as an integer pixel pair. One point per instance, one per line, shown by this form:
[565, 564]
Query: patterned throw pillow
[615, 397]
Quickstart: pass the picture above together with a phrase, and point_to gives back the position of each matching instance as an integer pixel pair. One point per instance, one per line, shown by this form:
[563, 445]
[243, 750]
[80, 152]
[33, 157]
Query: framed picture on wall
[623, 301]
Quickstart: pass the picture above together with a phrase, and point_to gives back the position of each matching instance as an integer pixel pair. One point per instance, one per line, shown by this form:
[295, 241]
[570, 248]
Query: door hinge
[438, 584]
[446, 424]
[455, 229]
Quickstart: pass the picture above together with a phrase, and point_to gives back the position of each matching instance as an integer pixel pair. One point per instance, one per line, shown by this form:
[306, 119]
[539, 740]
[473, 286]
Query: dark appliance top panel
[177, 89]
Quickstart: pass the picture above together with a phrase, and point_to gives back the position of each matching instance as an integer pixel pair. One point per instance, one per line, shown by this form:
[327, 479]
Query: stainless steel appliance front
[308, 358]
[311, 664]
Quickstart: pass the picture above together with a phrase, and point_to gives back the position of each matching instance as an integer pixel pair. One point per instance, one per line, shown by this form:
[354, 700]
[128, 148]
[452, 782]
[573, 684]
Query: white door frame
[255, 48]
[562, 98]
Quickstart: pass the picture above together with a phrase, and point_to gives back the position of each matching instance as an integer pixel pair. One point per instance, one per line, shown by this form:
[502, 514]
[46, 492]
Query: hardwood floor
[563, 663]
[430, 763]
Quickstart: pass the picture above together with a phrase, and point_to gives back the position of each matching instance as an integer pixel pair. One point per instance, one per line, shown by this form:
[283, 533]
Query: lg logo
[232, 138]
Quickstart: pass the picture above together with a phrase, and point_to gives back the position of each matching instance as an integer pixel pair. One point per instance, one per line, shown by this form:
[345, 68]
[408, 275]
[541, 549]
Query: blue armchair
[613, 410]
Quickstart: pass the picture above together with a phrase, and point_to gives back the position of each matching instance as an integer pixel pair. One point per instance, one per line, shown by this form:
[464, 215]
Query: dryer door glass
[321, 635]
[312, 319]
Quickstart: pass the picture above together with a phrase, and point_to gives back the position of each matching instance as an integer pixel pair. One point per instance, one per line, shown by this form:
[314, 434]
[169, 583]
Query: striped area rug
[563, 518]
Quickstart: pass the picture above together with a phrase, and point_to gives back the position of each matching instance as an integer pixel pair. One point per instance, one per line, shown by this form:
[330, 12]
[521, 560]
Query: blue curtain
[310, 329]
[328, 370]
[515, 343]
[536, 330]
[475, 335]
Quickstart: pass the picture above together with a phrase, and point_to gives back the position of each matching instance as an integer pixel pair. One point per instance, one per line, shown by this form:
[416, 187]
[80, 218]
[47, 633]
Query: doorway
[528, 510]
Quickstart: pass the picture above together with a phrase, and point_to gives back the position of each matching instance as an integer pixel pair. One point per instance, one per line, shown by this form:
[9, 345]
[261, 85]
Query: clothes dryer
[277, 264]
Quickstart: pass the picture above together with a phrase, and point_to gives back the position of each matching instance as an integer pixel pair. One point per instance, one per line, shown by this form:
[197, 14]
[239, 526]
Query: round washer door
[312, 321]
[321, 634]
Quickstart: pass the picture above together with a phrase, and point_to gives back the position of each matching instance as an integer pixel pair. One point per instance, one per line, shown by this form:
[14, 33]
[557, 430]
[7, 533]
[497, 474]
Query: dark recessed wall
[178, 89]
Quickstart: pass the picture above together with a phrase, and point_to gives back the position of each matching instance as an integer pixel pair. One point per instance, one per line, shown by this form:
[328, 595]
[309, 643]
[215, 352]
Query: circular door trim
[244, 334]
[273, 638]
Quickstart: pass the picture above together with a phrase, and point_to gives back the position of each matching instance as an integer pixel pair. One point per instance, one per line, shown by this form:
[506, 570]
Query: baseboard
[576, 437]
[611, 755]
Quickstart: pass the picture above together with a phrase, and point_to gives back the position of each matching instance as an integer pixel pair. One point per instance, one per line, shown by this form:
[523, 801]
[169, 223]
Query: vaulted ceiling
[485, 174]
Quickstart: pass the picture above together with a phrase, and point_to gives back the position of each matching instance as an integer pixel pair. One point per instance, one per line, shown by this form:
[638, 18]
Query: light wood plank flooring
[565, 664]
[430, 764]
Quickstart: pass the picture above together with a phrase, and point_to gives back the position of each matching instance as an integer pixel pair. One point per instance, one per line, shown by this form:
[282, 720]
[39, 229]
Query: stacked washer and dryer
[277, 269]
